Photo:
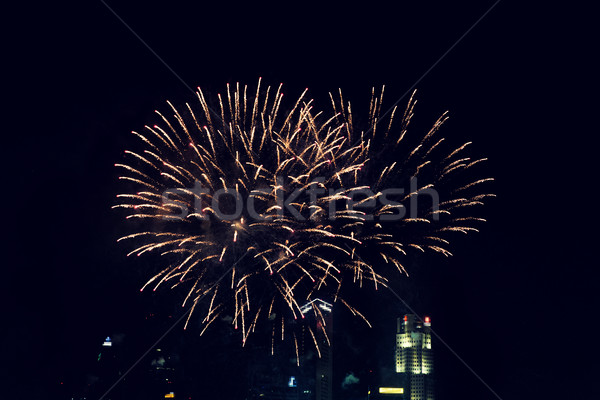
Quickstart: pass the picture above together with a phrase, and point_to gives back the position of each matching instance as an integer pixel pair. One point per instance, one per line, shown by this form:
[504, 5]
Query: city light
[292, 381]
[323, 305]
[391, 390]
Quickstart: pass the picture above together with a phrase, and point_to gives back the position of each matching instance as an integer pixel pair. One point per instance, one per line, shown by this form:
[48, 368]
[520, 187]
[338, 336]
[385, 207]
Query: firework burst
[258, 209]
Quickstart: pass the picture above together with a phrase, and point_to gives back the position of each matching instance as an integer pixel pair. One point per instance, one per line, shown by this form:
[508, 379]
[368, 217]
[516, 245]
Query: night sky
[517, 301]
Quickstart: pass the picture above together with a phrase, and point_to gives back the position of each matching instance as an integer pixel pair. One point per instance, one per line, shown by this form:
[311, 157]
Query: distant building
[287, 375]
[414, 357]
[108, 363]
[324, 336]
[272, 377]
[162, 373]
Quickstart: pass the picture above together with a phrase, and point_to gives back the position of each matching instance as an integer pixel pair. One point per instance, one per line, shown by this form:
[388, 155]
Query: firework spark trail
[193, 170]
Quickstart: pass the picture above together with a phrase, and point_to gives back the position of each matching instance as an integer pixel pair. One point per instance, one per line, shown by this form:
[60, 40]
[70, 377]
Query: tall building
[162, 373]
[414, 357]
[108, 364]
[274, 377]
[324, 335]
[291, 374]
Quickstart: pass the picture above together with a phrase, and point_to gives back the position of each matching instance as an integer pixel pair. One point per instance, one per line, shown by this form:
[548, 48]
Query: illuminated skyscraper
[414, 357]
[324, 335]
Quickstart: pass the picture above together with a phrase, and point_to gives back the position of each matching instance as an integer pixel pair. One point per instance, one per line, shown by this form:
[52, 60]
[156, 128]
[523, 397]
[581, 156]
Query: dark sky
[517, 301]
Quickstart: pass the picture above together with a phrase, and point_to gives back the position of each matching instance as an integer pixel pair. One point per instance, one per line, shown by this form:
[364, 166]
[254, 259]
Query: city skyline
[275, 376]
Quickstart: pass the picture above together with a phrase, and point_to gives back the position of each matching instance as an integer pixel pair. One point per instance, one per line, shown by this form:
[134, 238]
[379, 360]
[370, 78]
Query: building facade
[324, 369]
[302, 374]
[324, 336]
[414, 357]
